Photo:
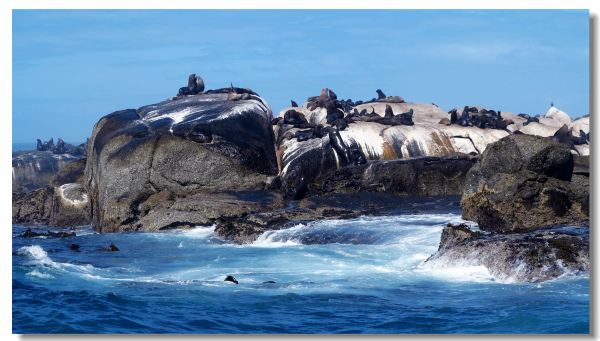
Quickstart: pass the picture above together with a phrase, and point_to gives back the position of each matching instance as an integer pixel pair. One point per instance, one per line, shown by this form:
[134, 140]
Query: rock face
[525, 182]
[37, 169]
[533, 256]
[65, 205]
[164, 165]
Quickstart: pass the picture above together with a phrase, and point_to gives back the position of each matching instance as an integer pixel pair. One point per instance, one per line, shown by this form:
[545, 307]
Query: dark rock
[534, 256]
[29, 233]
[524, 182]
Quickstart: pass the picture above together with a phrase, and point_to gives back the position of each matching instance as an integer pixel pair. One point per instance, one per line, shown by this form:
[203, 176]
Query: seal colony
[220, 157]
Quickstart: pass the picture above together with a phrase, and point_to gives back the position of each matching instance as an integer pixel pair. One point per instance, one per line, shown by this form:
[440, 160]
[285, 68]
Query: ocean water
[363, 275]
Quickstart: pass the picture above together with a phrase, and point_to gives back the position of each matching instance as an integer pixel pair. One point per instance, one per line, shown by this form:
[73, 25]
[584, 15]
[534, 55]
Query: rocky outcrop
[65, 205]
[167, 165]
[37, 169]
[534, 256]
[327, 134]
[524, 182]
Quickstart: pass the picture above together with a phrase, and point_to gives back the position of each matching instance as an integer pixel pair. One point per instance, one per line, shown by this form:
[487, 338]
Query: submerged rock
[534, 256]
[29, 233]
[525, 182]
[146, 167]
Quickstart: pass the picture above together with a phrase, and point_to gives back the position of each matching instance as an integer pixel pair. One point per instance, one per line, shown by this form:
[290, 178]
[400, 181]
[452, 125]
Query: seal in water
[74, 247]
[111, 248]
[230, 278]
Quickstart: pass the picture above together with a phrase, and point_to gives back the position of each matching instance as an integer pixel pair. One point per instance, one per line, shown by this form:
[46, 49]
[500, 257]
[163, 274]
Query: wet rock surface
[533, 256]
[246, 228]
[526, 182]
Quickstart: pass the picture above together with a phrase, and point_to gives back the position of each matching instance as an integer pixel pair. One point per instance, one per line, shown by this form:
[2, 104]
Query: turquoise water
[363, 275]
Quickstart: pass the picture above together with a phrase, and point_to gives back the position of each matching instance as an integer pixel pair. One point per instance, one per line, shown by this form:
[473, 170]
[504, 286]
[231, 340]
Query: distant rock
[524, 182]
[65, 205]
[32, 170]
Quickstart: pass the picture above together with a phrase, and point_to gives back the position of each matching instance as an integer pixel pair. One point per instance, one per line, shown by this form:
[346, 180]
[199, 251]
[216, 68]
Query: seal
[445, 121]
[564, 136]
[293, 117]
[230, 278]
[294, 104]
[453, 116]
[389, 113]
[464, 117]
[332, 94]
[380, 94]
[406, 118]
[195, 86]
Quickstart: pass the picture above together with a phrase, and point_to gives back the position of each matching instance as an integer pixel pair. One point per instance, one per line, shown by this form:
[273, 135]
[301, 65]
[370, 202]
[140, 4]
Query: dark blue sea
[369, 276]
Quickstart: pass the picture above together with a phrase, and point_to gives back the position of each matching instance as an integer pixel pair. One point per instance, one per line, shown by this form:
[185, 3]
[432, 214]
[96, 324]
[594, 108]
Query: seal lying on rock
[481, 118]
[195, 86]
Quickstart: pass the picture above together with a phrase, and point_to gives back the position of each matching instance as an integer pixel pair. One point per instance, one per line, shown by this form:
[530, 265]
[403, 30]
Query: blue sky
[72, 67]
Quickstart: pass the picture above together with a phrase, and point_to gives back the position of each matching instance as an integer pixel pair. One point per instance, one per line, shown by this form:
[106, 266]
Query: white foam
[74, 202]
[465, 272]
[36, 273]
[38, 256]
[198, 232]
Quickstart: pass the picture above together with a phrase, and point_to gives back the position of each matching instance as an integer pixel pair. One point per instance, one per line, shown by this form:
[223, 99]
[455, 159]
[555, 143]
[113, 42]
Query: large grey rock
[524, 182]
[175, 150]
